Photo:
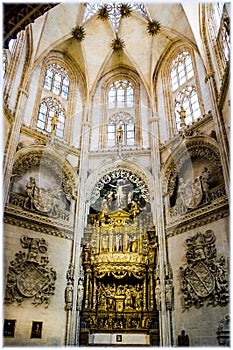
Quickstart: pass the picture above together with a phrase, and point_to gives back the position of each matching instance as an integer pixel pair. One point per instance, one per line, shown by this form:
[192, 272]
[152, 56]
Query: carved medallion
[29, 277]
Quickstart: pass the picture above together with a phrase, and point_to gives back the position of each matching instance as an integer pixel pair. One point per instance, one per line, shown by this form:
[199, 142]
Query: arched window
[49, 109]
[188, 99]
[183, 84]
[121, 94]
[127, 122]
[181, 70]
[57, 80]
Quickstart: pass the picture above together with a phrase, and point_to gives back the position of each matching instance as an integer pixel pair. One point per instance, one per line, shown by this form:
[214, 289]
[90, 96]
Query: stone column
[158, 216]
[13, 141]
[73, 324]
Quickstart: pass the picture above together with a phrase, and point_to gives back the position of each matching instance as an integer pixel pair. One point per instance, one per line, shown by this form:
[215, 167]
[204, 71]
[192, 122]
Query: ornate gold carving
[29, 277]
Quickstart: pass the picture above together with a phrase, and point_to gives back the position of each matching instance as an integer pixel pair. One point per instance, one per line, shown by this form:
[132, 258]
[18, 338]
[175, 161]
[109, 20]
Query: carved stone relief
[193, 182]
[28, 276]
[44, 159]
[205, 278]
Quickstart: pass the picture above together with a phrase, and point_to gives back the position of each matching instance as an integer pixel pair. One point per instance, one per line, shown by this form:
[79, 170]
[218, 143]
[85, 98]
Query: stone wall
[53, 316]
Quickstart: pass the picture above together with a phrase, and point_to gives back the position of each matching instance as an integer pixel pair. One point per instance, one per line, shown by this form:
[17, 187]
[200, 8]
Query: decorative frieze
[38, 223]
[28, 276]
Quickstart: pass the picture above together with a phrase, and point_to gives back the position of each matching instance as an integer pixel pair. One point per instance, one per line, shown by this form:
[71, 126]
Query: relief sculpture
[205, 279]
[45, 201]
[28, 276]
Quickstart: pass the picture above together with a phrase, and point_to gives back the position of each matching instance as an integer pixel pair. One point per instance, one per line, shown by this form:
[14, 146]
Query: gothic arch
[77, 83]
[162, 76]
[107, 79]
[96, 176]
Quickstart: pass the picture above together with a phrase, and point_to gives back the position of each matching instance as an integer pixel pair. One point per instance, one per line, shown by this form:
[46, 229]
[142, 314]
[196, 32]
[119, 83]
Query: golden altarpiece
[119, 260]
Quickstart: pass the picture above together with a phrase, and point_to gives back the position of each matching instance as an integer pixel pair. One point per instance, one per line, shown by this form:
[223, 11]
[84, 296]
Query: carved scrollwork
[205, 279]
[29, 277]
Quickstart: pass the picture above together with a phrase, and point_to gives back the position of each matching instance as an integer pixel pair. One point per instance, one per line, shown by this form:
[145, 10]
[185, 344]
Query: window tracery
[181, 69]
[188, 99]
[49, 109]
[184, 92]
[57, 80]
[121, 94]
[127, 122]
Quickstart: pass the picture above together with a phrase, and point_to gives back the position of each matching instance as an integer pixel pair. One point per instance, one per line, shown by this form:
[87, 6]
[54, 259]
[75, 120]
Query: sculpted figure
[120, 132]
[69, 296]
[80, 294]
[54, 123]
[205, 181]
[30, 191]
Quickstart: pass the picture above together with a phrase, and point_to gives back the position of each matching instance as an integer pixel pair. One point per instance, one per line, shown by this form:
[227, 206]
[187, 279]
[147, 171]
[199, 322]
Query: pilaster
[158, 216]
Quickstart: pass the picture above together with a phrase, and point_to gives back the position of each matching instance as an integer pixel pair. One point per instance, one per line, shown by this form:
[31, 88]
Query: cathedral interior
[116, 174]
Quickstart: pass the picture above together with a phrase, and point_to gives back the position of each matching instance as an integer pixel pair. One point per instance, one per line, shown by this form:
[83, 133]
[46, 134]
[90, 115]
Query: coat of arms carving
[29, 276]
[206, 276]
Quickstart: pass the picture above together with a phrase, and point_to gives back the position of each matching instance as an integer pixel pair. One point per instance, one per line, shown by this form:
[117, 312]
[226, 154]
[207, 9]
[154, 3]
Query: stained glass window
[57, 80]
[48, 107]
[121, 94]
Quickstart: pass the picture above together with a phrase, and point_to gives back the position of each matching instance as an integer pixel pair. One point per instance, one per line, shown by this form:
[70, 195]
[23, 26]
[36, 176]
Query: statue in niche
[181, 198]
[158, 294]
[54, 122]
[120, 133]
[80, 294]
[138, 298]
[118, 242]
[168, 293]
[31, 191]
[205, 181]
[69, 296]
[128, 298]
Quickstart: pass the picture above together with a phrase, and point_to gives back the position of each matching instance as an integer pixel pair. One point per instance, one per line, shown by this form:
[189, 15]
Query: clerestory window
[121, 94]
[181, 70]
[57, 80]
[184, 91]
[51, 116]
